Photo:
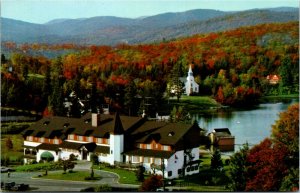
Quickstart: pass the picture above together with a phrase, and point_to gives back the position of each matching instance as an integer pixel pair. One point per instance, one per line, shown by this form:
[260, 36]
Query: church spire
[118, 127]
[190, 73]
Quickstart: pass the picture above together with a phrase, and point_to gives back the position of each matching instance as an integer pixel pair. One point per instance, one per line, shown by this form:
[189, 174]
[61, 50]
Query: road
[42, 185]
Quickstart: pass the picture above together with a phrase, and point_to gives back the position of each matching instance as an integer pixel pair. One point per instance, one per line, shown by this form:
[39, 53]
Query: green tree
[238, 169]
[66, 165]
[57, 96]
[175, 86]
[129, 98]
[46, 90]
[216, 161]
[285, 72]
[140, 173]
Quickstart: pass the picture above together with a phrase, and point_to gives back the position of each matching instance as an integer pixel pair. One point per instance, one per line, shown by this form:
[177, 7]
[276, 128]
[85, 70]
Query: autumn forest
[231, 66]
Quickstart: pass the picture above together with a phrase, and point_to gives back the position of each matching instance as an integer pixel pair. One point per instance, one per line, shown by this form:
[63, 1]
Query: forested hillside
[107, 30]
[231, 66]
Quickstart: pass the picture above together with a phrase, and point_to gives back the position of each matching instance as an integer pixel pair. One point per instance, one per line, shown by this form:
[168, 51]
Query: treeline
[231, 66]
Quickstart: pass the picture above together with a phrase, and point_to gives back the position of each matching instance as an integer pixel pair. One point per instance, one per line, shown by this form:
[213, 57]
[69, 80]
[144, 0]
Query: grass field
[74, 176]
[126, 177]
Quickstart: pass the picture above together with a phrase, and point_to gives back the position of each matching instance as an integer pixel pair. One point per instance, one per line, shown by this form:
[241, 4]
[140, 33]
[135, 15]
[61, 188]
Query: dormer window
[171, 134]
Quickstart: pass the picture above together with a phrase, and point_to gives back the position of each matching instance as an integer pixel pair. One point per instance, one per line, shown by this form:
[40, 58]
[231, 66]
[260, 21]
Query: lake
[250, 126]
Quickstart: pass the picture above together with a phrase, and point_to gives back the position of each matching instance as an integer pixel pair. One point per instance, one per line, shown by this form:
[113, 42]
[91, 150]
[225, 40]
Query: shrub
[151, 183]
[103, 188]
[37, 167]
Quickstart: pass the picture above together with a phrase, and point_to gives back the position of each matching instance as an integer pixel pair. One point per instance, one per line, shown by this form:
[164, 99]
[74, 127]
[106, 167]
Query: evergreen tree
[238, 169]
[140, 174]
[175, 86]
[3, 59]
[57, 97]
[285, 72]
[216, 161]
[129, 99]
[46, 90]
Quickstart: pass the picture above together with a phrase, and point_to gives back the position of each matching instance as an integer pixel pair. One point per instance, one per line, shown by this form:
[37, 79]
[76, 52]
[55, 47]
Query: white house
[190, 85]
[158, 146]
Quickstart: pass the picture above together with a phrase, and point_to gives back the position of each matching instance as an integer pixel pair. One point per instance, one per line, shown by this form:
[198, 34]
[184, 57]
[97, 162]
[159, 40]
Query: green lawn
[74, 176]
[190, 103]
[126, 176]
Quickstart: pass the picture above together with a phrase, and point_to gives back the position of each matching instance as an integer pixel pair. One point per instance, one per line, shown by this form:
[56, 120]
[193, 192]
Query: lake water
[250, 126]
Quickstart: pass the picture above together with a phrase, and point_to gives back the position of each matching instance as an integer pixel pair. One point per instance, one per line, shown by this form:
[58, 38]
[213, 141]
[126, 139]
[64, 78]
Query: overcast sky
[42, 11]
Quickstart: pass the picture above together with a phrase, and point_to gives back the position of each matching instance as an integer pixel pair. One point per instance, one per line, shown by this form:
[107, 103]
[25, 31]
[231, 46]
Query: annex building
[116, 139]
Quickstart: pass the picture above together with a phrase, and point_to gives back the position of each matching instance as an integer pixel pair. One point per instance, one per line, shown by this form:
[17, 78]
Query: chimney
[95, 119]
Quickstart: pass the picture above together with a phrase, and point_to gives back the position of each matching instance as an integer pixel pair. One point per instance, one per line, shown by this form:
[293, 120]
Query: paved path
[42, 185]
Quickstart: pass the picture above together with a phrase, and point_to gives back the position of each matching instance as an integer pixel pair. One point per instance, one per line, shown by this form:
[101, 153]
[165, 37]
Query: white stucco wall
[116, 148]
[66, 154]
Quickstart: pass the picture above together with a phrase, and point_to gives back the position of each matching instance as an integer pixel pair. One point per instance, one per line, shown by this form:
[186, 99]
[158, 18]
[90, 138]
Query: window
[71, 136]
[56, 141]
[80, 138]
[192, 168]
[111, 152]
[157, 161]
[165, 148]
[146, 160]
[148, 146]
[169, 173]
[42, 140]
[179, 171]
[30, 138]
[188, 169]
[135, 159]
[196, 167]
[90, 139]
[156, 146]
[99, 140]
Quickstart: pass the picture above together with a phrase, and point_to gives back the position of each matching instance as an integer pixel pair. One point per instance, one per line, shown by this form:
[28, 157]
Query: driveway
[45, 185]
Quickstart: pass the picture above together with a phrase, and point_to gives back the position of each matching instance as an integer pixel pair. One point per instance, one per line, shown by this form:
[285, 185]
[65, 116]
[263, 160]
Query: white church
[190, 85]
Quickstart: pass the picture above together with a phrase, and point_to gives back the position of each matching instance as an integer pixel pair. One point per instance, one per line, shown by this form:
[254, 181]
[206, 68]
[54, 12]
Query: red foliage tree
[266, 167]
[151, 183]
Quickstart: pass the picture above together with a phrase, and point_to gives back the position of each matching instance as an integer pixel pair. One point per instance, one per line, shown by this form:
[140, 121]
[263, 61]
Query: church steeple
[118, 127]
[190, 73]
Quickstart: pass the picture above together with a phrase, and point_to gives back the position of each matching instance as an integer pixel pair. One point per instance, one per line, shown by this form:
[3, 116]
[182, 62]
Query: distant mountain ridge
[112, 30]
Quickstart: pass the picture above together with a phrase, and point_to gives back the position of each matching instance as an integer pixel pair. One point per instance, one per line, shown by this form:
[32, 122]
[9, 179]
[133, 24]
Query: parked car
[6, 169]
[13, 186]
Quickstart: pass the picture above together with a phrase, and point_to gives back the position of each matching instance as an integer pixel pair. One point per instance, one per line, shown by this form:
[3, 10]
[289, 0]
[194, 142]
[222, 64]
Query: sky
[42, 11]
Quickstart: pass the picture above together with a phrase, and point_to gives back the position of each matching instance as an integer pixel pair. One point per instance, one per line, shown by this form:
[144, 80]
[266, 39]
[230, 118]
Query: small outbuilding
[221, 137]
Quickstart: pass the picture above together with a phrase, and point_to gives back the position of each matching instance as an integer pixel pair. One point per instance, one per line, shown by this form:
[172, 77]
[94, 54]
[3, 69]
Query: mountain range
[111, 30]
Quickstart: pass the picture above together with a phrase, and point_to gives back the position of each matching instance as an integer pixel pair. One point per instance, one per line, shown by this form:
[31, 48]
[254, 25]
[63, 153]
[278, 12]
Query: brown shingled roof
[47, 146]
